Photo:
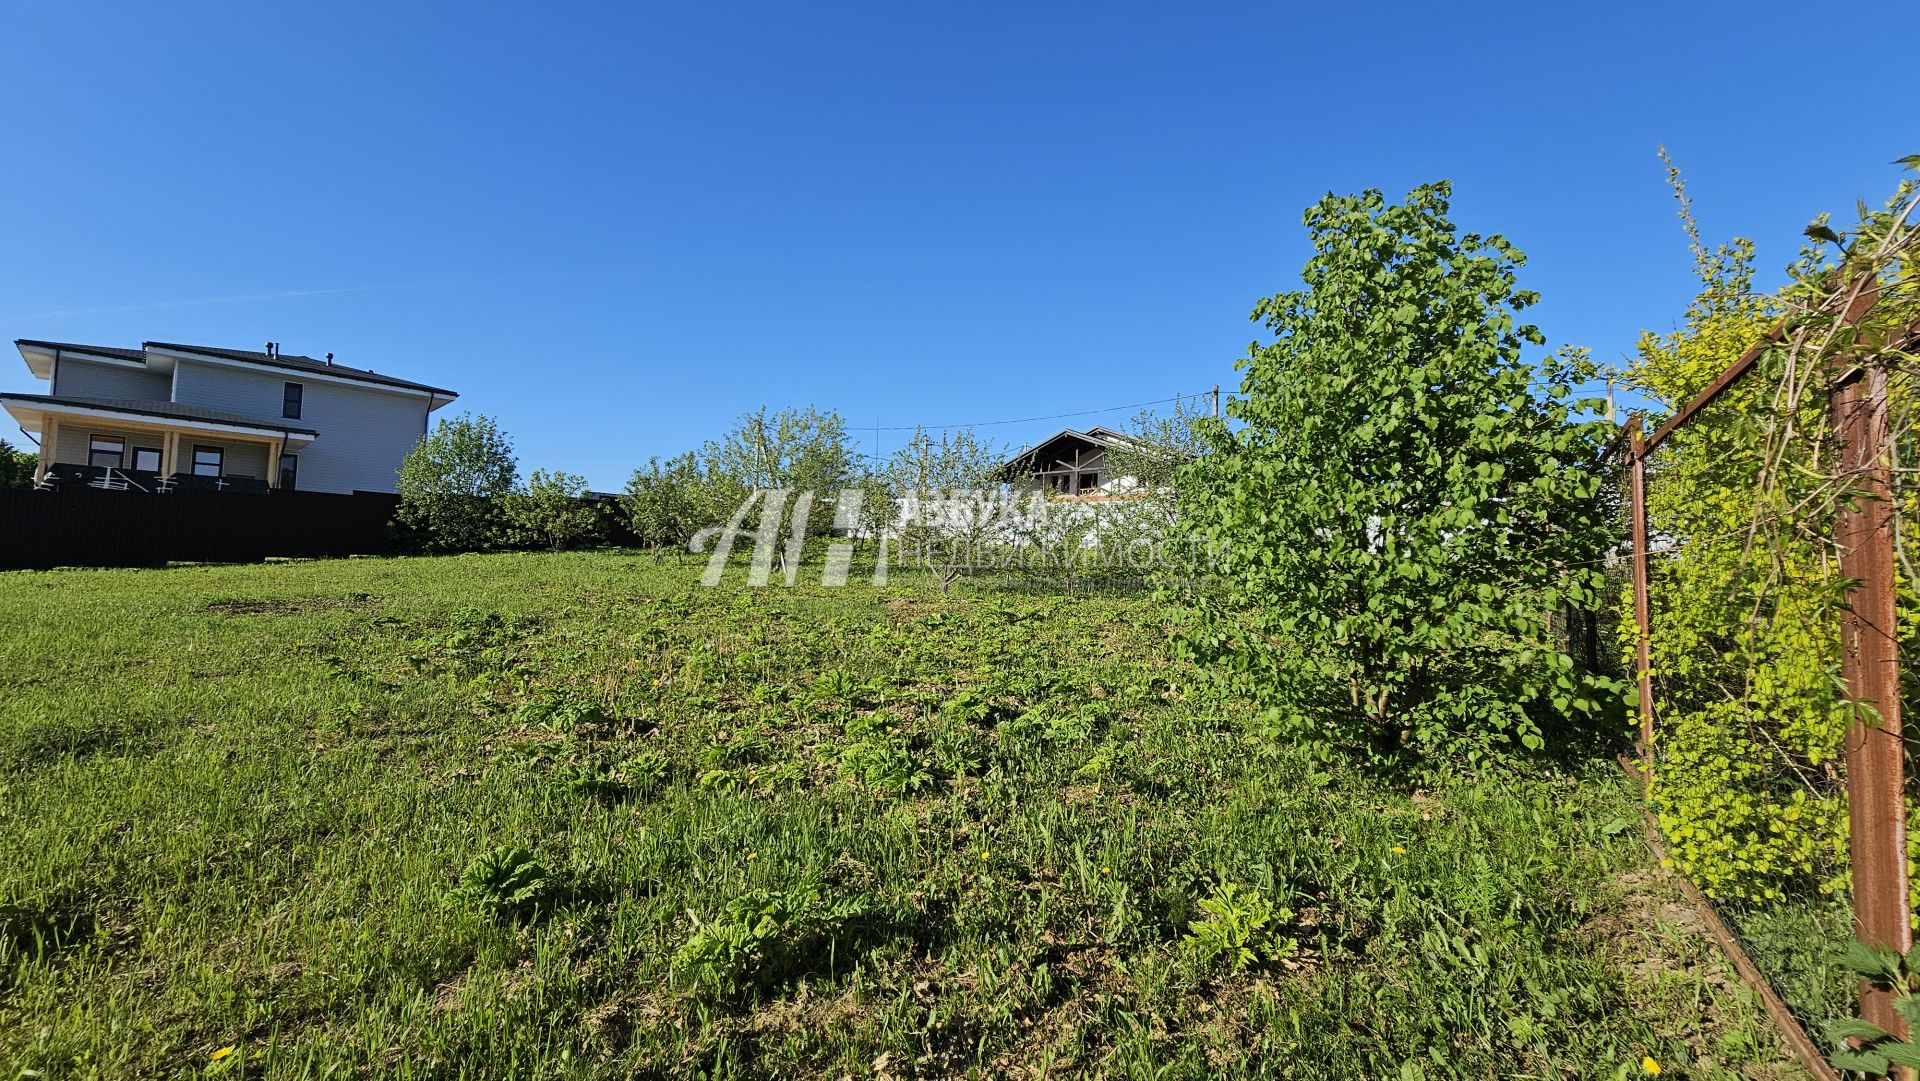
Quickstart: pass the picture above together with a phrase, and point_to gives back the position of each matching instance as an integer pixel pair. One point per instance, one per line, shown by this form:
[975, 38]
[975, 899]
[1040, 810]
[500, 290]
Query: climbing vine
[1746, 593]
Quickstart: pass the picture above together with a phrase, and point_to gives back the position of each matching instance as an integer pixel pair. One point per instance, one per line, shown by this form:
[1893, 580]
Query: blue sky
[617, 228]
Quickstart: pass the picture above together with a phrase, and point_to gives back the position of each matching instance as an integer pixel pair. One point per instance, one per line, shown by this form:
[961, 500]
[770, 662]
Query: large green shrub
[1400, 505]
[450, 484]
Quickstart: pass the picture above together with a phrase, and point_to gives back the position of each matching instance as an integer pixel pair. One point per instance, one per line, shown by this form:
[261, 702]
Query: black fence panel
[84, 527]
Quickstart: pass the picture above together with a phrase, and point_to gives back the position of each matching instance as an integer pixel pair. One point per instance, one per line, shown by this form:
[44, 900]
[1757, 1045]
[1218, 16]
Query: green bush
[1749, 700]
[550, 512]
[451, 482]
[1404, 500]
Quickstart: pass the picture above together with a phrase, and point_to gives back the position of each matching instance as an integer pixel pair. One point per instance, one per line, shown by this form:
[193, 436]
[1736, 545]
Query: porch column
[49, 438]
[273, 462]
[170, 454]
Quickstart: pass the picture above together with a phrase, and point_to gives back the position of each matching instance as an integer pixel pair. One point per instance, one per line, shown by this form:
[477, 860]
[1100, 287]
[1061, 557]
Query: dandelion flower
[222, 1053]
[1106, 870]
[1399, 850]
[984, 854]
[753, 855]
[1648, 1066]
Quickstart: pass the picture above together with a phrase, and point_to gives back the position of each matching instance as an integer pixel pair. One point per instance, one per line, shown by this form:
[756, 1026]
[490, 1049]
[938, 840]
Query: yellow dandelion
[222, 1053]
[984, 854]
[1648, 1066]
[1399, 850]
[1106, 870]
[753, 855]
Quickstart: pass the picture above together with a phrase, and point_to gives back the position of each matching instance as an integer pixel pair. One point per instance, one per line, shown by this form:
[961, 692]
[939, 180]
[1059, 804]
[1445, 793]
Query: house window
[106, 451]
[290, 401]
[289, 469]
[207, 461]
[146, 458]
[1089, 481]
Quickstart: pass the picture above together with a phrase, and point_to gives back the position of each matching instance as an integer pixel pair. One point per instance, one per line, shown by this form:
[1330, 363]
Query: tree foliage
[16, 467]
[666, 503]
[804, 450]
[550, 512]
[1400, 508]
[450, 482]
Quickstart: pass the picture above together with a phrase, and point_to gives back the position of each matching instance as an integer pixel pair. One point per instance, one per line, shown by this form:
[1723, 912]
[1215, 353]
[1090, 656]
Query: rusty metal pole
[1876, 784]
[1642, 602]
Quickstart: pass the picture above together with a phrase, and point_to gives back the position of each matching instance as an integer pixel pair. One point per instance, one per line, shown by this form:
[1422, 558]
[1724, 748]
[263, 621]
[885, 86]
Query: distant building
[1071, 464]
[166, 415]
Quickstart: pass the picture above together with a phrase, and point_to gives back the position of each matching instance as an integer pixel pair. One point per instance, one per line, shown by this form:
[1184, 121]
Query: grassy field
[573, 816]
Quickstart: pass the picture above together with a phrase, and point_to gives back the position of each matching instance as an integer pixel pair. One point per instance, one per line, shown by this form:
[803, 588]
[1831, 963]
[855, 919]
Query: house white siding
[365, 431]
[95, 379]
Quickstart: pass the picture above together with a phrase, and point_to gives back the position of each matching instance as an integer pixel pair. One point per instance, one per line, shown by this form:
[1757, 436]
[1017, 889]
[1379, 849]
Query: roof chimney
[329, 360]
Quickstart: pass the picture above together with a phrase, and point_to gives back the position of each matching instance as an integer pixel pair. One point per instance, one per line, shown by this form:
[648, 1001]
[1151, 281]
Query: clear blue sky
[617, 228]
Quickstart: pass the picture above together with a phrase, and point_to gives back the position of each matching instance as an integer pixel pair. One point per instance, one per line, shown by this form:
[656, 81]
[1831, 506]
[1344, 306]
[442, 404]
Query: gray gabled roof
[96, 350]
[1097, 436]
[245, 356]
[164, 410]
[302, 364]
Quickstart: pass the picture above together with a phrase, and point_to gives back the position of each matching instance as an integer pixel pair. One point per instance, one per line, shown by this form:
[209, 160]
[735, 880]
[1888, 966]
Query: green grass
[573, 816]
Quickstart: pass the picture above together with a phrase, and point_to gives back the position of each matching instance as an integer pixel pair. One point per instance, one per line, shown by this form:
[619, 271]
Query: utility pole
[1216, 400]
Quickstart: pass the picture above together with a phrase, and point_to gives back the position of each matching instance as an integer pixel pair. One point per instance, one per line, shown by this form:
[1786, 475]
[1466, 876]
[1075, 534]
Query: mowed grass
[767, 833]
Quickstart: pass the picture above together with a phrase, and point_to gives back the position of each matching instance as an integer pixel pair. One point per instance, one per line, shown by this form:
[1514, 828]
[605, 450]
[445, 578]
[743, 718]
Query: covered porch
[155, 446]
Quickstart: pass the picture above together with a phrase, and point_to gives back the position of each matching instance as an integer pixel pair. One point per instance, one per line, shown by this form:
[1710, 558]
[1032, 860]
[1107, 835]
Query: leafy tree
[952, 509]
[550, 512]
[1400, 509]
[450, 482]
[16, 467]
[804, 450]
[666, 503]
[879, 502]
[1157, 446]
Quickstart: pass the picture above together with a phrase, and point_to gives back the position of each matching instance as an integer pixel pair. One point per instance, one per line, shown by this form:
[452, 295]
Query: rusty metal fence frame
[1875, 767]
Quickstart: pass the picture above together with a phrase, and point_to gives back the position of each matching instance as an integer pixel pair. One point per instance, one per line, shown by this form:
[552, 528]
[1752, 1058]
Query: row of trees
[941, 499]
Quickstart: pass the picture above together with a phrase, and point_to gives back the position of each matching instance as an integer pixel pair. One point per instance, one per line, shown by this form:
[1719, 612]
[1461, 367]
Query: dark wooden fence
[83, 527]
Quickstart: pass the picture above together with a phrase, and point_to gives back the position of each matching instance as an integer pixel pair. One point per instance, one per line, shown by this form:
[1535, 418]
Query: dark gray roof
[149, 408]
[97, 350]
[301, 364]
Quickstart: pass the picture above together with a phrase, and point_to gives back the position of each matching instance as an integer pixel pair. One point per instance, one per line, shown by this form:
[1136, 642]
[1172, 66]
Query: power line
[1019, 420]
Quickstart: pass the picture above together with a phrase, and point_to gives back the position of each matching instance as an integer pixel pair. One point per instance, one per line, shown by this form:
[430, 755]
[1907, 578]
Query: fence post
[1642, 602]
[1876, 808]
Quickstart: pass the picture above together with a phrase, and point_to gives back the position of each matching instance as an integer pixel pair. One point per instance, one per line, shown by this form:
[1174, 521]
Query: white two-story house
[167, 415]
